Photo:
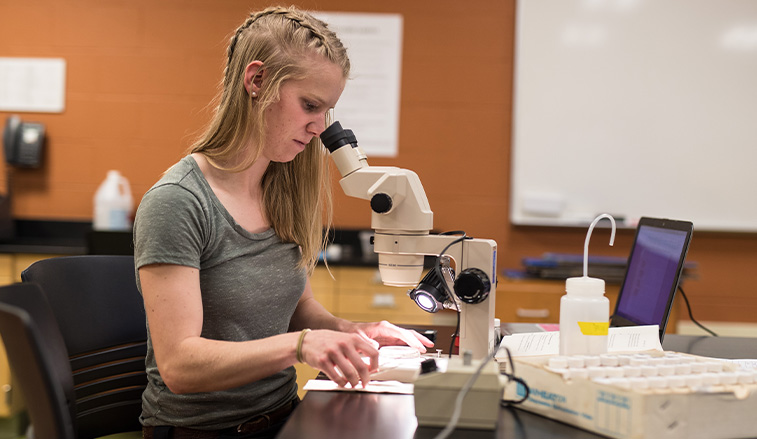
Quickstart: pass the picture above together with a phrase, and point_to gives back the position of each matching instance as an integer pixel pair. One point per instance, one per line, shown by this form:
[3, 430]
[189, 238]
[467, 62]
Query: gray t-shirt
[250, 285]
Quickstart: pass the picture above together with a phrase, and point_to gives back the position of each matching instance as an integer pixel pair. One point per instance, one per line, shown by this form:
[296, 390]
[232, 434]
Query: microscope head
[400, 209]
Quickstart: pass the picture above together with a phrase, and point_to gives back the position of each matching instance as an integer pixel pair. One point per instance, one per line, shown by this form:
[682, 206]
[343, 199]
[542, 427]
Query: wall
[140, 75]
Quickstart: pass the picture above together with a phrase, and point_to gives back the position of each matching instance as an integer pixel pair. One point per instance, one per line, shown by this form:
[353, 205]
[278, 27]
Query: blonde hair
[296, 194]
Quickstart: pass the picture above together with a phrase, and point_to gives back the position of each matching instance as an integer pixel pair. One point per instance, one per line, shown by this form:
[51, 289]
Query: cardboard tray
[724, 411]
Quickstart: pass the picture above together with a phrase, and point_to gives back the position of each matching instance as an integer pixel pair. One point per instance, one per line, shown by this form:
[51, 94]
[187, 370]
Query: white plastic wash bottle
[113, 203]
[584, 309]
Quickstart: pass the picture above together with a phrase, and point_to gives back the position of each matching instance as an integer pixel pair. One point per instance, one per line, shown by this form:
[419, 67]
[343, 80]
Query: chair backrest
[101, 317]
[38, 359]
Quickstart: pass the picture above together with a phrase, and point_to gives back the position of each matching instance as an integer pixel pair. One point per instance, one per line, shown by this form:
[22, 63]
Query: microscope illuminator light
[431, 293]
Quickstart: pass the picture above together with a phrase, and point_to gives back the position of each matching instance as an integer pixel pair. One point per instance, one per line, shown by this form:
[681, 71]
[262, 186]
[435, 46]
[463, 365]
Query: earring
[253, 94]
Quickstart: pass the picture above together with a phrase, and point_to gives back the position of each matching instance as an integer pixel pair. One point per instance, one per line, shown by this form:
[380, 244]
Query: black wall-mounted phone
[23, 142]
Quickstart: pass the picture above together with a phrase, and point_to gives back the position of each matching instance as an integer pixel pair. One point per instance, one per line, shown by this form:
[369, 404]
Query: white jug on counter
[113, 204]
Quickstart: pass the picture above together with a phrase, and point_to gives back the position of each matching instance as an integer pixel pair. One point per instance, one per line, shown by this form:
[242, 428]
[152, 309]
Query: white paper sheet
[621, 339]
[373, 387]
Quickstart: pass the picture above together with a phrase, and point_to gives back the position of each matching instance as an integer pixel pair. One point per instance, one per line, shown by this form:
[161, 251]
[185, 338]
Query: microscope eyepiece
[350, 137]
[335, 137]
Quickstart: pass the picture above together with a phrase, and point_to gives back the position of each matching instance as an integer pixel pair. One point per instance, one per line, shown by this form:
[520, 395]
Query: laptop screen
[654, 268]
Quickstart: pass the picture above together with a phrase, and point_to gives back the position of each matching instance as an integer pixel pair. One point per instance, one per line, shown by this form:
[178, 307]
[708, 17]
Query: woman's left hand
[387, 334]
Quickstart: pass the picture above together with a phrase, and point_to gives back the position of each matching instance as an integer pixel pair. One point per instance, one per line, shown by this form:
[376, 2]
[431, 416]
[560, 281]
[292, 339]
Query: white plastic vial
[113, 203]
[584, 317]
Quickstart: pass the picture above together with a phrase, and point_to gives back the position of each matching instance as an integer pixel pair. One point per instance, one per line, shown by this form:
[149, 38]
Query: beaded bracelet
[299, 344]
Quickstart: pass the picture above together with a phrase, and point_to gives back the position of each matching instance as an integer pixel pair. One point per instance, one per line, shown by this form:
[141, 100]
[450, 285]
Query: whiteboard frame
[672, 139]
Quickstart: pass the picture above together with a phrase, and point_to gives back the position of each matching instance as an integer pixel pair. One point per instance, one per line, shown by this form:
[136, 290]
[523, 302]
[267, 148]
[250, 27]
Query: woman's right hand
[339, 356]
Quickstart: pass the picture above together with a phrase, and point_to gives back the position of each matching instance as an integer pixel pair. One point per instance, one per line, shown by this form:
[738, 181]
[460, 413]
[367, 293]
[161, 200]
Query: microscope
[402, 219]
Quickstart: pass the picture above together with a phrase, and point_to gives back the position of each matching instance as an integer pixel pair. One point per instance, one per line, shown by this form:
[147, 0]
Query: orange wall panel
[141, 76]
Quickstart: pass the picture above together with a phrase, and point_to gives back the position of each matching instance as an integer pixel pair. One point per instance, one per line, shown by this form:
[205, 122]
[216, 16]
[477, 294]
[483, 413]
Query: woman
[225, 241]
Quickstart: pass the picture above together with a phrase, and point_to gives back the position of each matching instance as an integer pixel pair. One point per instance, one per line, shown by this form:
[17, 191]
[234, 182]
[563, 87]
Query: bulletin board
[635, 108]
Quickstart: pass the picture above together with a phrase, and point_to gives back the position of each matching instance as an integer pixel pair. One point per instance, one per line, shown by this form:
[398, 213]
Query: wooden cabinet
[363, 297]
[10, 399]
[357, 294]
[7, 269]
[324, 287]
[535, 301]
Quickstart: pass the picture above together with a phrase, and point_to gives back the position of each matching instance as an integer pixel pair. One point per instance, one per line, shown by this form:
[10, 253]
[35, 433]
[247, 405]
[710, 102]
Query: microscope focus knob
[381, 203]
[472, 285]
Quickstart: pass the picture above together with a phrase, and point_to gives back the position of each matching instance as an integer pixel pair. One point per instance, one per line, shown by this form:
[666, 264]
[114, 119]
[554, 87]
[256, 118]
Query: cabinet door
[305, 373]
[362, 297]
[538, 301]
[535, 301]
[324, 286]
[6, 270]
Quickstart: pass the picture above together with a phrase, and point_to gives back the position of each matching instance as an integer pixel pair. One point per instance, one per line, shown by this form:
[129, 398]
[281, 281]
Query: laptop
[653, 273]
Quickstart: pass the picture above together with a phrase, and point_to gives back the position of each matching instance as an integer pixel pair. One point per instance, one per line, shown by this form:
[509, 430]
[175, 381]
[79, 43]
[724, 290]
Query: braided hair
[317, 28]
[296, 194]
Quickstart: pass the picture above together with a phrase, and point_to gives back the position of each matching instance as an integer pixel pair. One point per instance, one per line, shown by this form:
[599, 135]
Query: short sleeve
[169, 228]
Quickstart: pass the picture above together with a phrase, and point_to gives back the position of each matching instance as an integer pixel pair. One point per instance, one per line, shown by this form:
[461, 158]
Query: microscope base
[436, 392]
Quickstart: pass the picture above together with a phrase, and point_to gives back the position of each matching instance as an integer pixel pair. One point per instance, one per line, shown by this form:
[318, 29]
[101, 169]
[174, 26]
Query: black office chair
[101, 317]
[38, 359]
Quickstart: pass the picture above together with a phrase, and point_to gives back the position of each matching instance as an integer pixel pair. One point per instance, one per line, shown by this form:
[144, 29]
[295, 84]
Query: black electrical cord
[688, 306]
[454, 334]
[450, 294]
[453, 232]
[511, 376]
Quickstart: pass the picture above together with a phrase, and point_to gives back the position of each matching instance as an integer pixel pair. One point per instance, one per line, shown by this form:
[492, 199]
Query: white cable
[450, 427]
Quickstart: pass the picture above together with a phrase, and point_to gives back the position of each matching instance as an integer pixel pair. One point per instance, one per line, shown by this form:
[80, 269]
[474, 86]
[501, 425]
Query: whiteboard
[635, 108]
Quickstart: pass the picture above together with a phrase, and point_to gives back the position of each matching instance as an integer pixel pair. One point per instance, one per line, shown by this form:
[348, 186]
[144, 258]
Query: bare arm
[185, 359]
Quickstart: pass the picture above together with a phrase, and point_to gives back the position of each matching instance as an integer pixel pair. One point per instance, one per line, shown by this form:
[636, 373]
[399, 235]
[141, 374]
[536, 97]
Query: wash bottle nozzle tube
[584, 309]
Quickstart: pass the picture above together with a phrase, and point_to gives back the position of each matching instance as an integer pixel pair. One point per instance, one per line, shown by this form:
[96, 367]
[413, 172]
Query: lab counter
[77, 237]
[47, 237]
[27, 241]
[733, 348]
[337, 415]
